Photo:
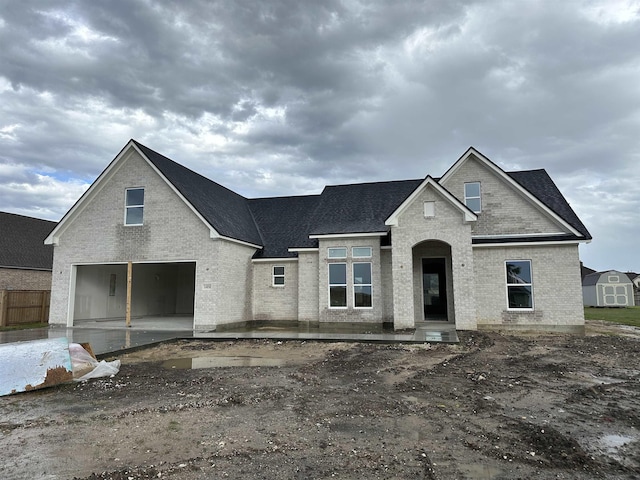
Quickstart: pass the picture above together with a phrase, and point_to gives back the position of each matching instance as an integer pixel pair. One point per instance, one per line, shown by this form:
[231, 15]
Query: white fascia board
[91, 192]
[134, 262]
[235, 240]
[519, 235]
[274, 260]
[469, 216]
[213, 233]
[454, 168]
[528, 244]
[349, 235]
[304, 249]
[502, 174]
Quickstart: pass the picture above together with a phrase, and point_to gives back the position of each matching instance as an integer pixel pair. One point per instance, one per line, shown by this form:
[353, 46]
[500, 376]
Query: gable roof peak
[193, 172]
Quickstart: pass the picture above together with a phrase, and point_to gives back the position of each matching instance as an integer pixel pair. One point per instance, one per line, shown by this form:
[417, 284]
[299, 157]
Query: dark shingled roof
[225, 210]
[594, 278]
[22, 242]
[584, 271]
[359, 208]
[280, 223]
[284, 222]
[539, 183]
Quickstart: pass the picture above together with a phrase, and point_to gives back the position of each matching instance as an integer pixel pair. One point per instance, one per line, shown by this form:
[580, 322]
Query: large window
[134, 206]
[362, 285]
[337, 285]
[519, 284]
[472, 196]
[278, 276]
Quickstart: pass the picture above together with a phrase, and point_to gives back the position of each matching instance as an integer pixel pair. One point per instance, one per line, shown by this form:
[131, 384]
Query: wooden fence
[18, 307]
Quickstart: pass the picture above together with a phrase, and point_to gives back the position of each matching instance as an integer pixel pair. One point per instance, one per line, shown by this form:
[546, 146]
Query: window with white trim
[337, 252]
[337, 285]
[519, 284]
[278, 276]
[134, 206]
[361, 252]
[472, 197]
[362, 285]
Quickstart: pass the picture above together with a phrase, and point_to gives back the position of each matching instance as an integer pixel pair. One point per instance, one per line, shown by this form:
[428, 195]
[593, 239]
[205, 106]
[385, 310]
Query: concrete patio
[110, 337]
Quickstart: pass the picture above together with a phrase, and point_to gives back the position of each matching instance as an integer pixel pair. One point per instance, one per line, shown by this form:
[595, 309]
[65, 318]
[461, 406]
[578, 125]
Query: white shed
[607, 289]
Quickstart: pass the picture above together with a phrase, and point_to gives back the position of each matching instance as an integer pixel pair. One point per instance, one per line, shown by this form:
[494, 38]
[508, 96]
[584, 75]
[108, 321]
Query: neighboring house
[635, 279]
[607, 289]
[584, 271]
[25, 261]
[478, 247]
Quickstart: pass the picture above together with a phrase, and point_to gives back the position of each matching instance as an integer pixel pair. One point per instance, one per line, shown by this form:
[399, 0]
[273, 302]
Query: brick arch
[432, 260]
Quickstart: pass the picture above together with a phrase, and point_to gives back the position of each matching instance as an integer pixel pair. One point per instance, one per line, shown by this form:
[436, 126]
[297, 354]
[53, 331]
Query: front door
[434, 288]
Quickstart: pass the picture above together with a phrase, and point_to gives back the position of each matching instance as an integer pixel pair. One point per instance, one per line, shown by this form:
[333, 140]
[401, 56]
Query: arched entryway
[433, 282]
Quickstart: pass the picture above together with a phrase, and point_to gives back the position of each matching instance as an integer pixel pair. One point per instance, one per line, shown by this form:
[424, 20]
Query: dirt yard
[492, 407]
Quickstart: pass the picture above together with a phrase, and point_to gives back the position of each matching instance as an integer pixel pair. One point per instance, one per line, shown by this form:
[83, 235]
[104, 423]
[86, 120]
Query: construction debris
[43, 363]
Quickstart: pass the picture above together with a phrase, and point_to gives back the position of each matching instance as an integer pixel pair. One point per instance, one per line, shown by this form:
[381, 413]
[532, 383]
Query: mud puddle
[612, 443]
[220, 362]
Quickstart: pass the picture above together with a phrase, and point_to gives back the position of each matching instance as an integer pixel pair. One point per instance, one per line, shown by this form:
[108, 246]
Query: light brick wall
[504, 210]
[308, 309]
[171, 232]
[350, 314]
[275, 302]
[20, 279]
[447, 226]
[557, 292]
[386, 278]
[231, 301]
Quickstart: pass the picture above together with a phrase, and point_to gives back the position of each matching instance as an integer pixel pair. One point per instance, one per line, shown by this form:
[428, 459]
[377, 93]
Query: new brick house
[478, 248]
[25, 262]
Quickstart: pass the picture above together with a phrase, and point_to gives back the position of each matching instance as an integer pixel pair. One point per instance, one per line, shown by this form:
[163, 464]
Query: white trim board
[467, 214]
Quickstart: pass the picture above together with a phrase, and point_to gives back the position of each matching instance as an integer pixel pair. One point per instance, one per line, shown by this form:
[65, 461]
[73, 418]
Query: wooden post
[43, 306]
[3, 308]
[128, 308]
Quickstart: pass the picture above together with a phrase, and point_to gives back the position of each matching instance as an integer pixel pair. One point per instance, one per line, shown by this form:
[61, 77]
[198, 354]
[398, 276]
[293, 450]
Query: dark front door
[434, 288]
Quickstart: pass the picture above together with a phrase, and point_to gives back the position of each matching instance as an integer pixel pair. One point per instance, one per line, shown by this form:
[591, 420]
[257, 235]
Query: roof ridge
[310, 195]
[527, 170]
[378, 182]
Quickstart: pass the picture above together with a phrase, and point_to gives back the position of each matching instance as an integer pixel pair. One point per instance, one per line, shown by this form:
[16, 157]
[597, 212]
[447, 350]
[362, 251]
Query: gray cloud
[283, 97]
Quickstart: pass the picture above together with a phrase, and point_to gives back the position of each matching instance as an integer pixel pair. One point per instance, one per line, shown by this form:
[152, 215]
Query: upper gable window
[472, 196]
[134, 206]
[337, 252]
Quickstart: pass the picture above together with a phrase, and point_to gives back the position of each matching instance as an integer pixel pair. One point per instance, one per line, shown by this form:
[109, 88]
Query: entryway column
[128, 307]
[464, 286]
[402, 271]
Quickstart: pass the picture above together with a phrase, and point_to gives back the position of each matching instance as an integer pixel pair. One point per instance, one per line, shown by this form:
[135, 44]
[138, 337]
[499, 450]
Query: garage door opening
[162, 295]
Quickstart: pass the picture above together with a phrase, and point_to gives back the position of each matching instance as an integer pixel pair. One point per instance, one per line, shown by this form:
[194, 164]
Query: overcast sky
[272, 97]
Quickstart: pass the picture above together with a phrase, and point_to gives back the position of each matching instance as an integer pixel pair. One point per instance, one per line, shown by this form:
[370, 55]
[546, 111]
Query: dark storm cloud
[282, 97]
